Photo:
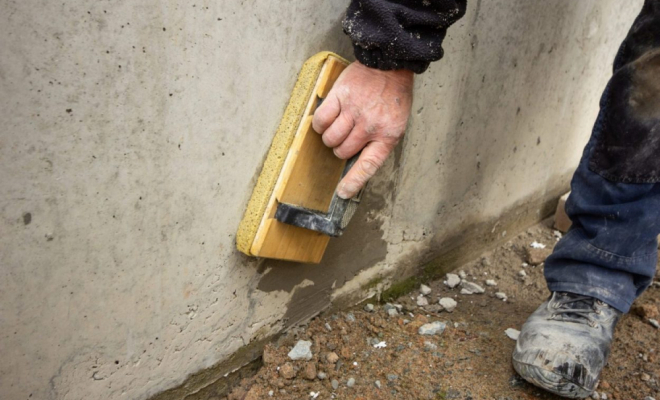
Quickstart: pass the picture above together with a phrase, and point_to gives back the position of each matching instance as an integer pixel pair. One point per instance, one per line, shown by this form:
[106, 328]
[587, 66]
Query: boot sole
[550, 381]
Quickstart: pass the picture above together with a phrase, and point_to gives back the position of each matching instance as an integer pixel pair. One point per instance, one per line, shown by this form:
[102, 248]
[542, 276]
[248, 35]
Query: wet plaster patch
[359, 248]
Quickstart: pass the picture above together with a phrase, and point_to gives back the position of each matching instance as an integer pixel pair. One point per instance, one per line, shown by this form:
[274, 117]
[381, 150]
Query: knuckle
[370, 166]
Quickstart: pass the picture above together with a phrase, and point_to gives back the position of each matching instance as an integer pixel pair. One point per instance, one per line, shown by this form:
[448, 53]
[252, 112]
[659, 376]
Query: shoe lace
[576, 308]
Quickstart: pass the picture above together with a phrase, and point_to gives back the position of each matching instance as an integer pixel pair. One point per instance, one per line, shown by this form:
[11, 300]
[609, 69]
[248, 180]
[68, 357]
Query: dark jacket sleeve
[398, 34]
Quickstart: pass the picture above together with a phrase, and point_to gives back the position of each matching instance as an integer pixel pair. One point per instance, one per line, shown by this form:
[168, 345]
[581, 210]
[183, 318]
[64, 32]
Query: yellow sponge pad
[286, 131]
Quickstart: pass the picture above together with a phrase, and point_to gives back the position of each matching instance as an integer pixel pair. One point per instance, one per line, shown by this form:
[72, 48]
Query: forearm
[403, 34]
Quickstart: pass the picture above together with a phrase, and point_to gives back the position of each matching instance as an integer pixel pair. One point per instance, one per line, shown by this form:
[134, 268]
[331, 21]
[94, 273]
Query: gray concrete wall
[132, 133]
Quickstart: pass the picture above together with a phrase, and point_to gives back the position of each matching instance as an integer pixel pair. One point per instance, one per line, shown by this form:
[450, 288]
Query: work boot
[564, 344]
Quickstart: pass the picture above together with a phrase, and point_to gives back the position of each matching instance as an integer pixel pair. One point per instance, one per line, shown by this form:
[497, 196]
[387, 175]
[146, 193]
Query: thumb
[370, 160]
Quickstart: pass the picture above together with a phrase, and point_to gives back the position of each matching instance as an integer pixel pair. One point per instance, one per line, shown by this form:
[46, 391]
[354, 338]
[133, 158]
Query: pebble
[512, 333]
[392, 377]
[536, 256]
[378, 384]
[309, 371]
[430, 346]
[392, 312]
[388, 306]
[603, 396]
[501, 296]
[453, 280]
[335, 384]
[301, 351]
[425, 290]
[271, 393]
[332, 357]
[422, 301]
[369, 308]
[287, 371]
[322, 375]
[350, 317]
[462, 274]
[471, 288]
[522, 273]
[434, 328]
[491, 282]
[645, 377]
[448, 304]
[655, 323]
[648, 398]
[351, 382]
[328, 327]
[595, 396]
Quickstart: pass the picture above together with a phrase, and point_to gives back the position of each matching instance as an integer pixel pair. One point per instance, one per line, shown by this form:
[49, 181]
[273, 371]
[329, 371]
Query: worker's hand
[366, 109]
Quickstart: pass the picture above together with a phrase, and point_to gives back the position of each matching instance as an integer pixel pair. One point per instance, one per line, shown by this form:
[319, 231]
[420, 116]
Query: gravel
[422, 301]
[425, 290]
[301, 351]
[501, 296]
[448, 304]
[471, 288]
[378, 384]
[655, 323]
[491, 282]
[453, 280]
[351, 382]
[392, 312]
[335, 384]
[434, 328]
[369, 308]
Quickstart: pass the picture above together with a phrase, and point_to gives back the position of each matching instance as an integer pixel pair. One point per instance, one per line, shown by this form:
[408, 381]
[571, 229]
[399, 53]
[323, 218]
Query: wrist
[403, 77]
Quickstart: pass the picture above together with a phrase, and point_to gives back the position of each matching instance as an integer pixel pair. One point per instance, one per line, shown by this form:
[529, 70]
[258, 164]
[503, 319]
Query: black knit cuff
[374, 58]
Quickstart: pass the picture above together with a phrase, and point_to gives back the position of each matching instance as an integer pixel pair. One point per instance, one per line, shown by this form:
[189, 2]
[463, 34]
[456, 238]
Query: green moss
[372, 283]
[400, 288]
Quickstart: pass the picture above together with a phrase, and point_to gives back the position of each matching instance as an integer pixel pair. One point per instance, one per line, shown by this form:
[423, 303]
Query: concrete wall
[132, 133]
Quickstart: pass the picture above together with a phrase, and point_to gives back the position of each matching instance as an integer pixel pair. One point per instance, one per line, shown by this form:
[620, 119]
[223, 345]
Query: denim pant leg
[610, 252]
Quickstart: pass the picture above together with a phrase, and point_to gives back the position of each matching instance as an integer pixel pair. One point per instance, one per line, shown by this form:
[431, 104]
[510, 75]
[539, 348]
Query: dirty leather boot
[564, 344]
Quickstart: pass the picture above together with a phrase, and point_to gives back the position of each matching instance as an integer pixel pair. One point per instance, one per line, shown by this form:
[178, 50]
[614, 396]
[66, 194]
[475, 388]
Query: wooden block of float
[307, 173]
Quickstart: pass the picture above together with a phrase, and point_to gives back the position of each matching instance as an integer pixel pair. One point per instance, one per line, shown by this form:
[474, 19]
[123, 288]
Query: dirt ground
[471, 359]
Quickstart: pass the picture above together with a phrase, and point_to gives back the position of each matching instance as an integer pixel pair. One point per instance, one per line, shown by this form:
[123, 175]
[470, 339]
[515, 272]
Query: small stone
[309, 371]
[448, 304]
[465, 291]
[406, 321]
[595, 396]
[491, 282]
[328, 327]
[422, 301]
[603, 396]
[392, 312]
[605, 385]
[332, 357]
[462, 274]
[425, 290]
[350, 317]
[369, 308]
[378, 384]
[322, 375]
[269, 356]
[430, 346]
[271, 393]
[513, 334]
[335, 384]
[287, 371]
[301, 351]
[434, 328]
[472, 287]
[501, 296]
[522, 273]
[453, 280]
[485, 262]
[388, 306]
[649, 398]
[654, 323]
[392, 377]
[351, 382]
[536, 256]
[645, 377]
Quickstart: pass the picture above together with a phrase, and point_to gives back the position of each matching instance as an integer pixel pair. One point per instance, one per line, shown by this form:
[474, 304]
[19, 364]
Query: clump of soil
[379, 354]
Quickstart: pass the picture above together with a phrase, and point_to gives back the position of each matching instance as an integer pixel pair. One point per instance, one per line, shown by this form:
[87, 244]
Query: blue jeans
[611, 250]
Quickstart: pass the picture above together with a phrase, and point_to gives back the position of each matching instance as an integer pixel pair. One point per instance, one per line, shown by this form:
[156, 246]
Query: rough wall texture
[132, 133]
